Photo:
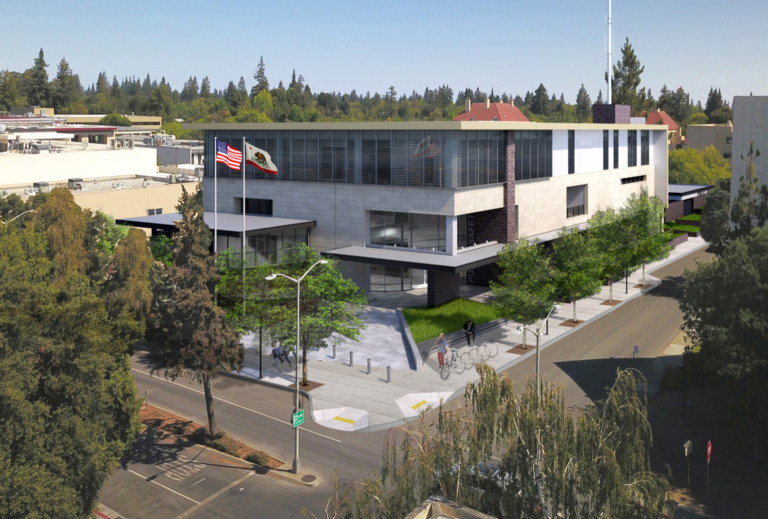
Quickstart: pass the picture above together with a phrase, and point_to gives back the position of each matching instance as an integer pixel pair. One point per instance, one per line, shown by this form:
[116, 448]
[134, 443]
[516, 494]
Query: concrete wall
[699, 136]
[750, 125]
[542, 203]
[589, 150]
[24, 170]
[127, 203]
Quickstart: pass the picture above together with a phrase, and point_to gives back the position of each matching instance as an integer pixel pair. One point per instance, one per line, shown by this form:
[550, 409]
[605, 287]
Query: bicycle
[445, 371]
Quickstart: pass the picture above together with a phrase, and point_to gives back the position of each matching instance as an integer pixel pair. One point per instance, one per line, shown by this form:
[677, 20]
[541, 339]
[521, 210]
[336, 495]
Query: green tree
[160, 102]
[330, 306]
[749, 208]
[714, 101]
[715, 222]
[615, 244]
[644, 215]
[540, 102]
[10, 90]
[68, 403]
[260, 76]
[38, 89]
[115, 120]
[626, 78]
[525, 289]
[723, 308]
[577, 264]
[190, 334]
[693, 166]
[676, 104]
[66, 88]
[550, 463]
[721, 116]
[583, 105]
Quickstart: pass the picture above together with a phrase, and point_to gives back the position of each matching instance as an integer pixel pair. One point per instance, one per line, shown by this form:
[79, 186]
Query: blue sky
[337, 45]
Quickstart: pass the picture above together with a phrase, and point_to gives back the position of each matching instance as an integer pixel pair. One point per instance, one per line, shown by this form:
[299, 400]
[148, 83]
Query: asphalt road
[585, 363]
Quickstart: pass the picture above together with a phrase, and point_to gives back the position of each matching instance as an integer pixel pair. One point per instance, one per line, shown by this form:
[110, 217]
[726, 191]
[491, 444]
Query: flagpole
[215, 197]
[244, 155]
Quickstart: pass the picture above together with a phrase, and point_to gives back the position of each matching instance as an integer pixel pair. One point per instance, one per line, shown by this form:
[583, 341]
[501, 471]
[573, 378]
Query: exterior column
[442, 287]
[451, 234]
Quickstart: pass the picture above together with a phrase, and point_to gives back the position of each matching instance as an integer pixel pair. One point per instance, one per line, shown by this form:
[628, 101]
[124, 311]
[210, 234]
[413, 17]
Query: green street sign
[298, 418]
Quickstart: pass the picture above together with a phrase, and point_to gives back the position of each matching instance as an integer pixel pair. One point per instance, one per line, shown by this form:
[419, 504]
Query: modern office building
[410, 204]
[750, 127]
[700, 136]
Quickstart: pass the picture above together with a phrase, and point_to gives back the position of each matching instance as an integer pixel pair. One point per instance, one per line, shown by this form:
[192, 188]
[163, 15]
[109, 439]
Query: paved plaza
[348, 398]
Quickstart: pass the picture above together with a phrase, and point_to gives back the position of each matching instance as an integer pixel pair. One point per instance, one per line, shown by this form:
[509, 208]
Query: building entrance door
[390, 279]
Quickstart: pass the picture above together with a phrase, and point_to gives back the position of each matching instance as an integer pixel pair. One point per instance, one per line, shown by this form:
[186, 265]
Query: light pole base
[296, 467]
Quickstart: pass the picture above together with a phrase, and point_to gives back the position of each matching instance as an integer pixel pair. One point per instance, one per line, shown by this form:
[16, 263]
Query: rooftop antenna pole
[610, 51]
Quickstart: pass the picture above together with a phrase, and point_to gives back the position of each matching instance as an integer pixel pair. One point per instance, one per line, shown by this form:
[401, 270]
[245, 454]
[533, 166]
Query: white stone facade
[750, 126]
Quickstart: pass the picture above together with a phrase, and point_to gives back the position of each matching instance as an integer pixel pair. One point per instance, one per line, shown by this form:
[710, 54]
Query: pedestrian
[469, 331]
[442, 349]
[278, 354]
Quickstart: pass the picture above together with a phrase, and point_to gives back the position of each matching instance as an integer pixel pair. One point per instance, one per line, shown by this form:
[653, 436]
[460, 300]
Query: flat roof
[469, 259]
[685, 189]
[227, 224]
[419, 125]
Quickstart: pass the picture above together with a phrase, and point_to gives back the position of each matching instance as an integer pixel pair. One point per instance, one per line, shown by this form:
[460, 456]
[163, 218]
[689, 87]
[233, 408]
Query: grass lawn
[692, 217]
[674, 235]
[427, 323]
[680, 227]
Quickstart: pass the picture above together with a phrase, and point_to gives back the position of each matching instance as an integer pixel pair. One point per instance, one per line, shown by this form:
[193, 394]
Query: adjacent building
[674, 132]
[700, 136]
[410, 204]
[750, 128]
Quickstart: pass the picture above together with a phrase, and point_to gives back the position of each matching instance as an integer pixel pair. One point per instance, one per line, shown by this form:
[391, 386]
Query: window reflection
[408, 230]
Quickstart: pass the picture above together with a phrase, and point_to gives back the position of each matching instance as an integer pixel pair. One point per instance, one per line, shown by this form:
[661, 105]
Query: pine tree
[115, 91]
[66, 89]
[205, 88]
[714, 101]
[192, 336]
[102, 86]
[147, 85]
[540, 101]
[261, 79]
[599, 100]
[583, 105]
[38, 90]
[626, 78]
[241, 85]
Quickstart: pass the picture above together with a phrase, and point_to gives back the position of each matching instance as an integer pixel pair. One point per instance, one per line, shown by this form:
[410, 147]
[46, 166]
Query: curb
[281, 472]
[414, 350]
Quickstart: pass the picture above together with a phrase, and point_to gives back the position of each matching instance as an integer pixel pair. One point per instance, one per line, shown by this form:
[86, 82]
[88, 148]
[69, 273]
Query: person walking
[442, 349]
[469, 331]
[280, 354]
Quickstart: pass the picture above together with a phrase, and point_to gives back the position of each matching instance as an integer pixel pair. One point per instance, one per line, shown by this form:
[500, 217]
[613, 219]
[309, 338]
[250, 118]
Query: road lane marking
[163, 486]
[345, 420]
[235, 405]
[196, 482]
[214, 496]
[416, 406]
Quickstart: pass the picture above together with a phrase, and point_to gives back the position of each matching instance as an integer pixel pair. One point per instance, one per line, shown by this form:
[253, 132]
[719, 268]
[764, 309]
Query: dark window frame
[571, 152]
[631, 148]
[606, 140]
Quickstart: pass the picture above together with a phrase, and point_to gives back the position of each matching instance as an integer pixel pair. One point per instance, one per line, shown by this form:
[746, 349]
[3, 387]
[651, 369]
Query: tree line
[198, 101]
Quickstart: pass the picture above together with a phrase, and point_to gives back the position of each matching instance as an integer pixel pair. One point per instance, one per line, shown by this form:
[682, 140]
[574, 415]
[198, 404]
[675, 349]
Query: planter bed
[692, 230]
[678, 238]
[692, 223]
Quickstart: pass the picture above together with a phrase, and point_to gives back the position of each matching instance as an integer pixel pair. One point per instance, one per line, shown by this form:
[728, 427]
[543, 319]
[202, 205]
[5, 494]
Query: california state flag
[260, 159]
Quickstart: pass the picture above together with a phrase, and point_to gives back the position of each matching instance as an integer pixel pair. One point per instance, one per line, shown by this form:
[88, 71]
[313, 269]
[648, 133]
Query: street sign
[298, 418]
[709, 451]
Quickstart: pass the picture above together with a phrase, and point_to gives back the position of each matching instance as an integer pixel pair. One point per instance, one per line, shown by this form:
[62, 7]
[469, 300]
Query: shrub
[257, 457]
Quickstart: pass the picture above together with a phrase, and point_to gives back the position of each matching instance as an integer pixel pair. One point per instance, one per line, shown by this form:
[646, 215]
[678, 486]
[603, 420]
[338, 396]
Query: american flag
[228, 155]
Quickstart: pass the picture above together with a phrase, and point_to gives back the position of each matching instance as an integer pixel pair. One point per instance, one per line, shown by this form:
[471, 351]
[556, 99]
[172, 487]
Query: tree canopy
[693, 166]
[68, 404]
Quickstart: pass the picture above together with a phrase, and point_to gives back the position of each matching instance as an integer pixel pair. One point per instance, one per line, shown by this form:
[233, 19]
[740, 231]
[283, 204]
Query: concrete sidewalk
[350, 399]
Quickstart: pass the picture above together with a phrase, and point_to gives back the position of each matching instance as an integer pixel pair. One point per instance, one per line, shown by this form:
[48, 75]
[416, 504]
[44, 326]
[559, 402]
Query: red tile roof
[496, 112]
[661, 117]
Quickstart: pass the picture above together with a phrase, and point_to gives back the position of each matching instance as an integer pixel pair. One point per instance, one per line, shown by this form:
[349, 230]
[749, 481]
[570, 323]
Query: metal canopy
[467, 260]
[228, 224]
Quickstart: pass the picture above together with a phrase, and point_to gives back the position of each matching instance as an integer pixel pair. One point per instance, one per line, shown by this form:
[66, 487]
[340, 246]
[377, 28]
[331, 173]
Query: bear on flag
[260, 159]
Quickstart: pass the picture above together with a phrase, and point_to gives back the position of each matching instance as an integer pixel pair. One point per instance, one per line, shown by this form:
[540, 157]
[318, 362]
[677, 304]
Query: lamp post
[537, 333]
[19, 216]
[296, 463]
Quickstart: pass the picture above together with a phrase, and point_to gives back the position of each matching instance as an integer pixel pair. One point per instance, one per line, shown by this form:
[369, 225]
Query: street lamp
[20, 215]
[537, 333]
[296, 463]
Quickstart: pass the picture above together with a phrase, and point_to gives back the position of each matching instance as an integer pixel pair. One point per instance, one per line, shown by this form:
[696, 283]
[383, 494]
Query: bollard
[389, 374]
[369, 366]
[351, 360]
[334, 351]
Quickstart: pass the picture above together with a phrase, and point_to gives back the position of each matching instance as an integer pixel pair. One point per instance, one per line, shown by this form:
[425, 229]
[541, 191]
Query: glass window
[354, 157]
[326, 156]
[501, 154]
[297, 156]
[482, 166]
[339, 156]
[432, 157]
[606, 136]
[631, 148]
[311, 156]
[400, 158]
[417, 149]
[408, 230]
[384, 158]
[571, 151]
[615, 149]
[472, 158]
[369, 157]
[645, 145]
[533, 154]
[576, 198]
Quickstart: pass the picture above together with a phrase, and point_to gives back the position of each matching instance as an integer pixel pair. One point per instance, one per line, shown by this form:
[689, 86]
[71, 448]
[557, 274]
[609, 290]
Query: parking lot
[166, 478]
